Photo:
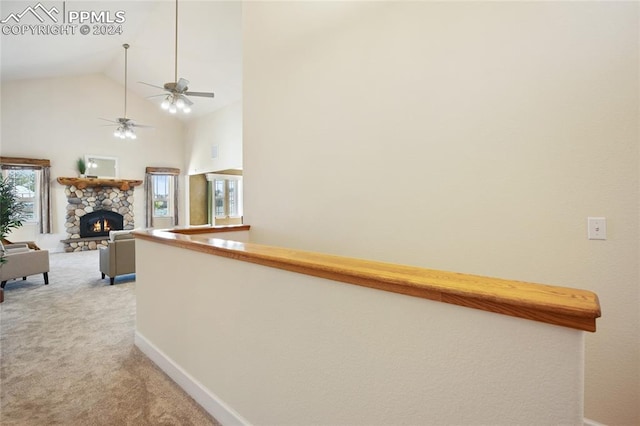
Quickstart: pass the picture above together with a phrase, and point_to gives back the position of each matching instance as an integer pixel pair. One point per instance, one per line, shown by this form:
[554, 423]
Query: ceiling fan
[178, 89]
[126, 126]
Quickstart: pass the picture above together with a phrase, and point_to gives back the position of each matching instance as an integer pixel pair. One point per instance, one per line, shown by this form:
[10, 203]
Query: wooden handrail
[568, 307]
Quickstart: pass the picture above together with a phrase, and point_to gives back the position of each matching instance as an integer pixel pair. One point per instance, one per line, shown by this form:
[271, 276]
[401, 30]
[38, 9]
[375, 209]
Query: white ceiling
[209, 47]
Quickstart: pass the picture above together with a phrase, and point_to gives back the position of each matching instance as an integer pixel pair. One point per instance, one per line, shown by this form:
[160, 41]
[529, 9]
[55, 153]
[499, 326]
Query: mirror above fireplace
[100, 166]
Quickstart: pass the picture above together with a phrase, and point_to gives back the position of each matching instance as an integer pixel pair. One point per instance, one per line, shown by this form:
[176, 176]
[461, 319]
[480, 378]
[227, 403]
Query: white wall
[474, 137]
[213, 143]
[221, 129]
[279, 348]
[57, 119]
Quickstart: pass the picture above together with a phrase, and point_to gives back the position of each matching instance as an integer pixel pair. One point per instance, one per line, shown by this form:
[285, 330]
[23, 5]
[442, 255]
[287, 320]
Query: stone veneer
[83, 201]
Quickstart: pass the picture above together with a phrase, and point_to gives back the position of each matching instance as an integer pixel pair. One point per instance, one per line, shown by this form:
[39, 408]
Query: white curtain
[45, 201]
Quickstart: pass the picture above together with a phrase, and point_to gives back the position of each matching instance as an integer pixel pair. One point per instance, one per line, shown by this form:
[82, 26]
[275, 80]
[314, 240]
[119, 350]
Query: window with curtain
[31, 178]
[161, 193]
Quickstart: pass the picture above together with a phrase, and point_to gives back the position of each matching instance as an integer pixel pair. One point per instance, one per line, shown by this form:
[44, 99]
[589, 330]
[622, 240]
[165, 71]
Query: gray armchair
[119, 257]
[22, 262]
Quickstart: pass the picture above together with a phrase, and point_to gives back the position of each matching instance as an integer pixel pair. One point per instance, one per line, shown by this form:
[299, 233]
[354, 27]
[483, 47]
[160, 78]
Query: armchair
[119, 257]
[22, 262]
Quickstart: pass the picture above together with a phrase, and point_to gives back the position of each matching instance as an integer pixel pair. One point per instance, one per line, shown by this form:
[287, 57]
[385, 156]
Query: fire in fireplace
[99, 223]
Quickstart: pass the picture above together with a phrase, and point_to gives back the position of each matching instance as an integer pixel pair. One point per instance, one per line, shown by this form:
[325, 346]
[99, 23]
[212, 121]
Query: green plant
[82, 166]
[11, 210]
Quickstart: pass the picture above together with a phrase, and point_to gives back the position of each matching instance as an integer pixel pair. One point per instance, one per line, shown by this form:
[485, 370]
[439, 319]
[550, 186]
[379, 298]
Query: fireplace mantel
[82, 183]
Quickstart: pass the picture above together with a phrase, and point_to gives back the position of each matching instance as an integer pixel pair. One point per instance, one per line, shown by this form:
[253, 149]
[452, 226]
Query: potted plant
[11, 210]
[82, 166]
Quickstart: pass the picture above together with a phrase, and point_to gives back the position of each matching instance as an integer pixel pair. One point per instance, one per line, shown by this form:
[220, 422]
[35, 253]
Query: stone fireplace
[93, 211]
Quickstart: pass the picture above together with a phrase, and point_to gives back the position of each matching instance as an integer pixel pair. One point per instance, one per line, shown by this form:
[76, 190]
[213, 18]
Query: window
[32, 178]
[232, 198]
[219, 196]
[227, 195]
[162, 195]
[25, 182]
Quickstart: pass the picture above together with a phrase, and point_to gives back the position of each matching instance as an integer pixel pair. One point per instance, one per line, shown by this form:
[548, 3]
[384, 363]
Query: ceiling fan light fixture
[129, 132]
[123, 132]
[178, 97]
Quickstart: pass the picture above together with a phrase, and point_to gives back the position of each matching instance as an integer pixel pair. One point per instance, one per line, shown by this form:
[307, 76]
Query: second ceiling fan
[125, 126]
[178, 89]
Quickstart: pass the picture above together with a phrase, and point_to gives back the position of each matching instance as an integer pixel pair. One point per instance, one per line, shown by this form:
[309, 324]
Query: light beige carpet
[68, 358]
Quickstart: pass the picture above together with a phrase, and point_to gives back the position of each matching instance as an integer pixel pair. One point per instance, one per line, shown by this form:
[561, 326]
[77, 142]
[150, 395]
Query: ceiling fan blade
[186, 100]
[131, 123]
[155, 96]
[152, 85]
[182, 84]
[143, 126]
[202, 94]
[110, 121]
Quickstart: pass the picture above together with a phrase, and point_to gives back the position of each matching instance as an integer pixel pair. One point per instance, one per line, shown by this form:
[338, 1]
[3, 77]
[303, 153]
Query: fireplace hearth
[99, 223]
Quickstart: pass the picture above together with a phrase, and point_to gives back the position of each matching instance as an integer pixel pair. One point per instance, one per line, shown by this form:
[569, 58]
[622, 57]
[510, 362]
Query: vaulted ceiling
[209, 45]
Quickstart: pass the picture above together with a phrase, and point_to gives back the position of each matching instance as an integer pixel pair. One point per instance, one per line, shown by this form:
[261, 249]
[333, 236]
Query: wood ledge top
[563, 306]
[82, 183]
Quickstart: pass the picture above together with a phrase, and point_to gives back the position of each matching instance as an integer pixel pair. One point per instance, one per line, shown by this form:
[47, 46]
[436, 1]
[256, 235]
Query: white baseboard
[589, 422]
[207, 400]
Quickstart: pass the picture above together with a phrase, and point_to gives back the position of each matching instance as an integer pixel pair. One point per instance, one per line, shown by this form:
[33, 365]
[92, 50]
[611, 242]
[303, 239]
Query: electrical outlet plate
[597, 228]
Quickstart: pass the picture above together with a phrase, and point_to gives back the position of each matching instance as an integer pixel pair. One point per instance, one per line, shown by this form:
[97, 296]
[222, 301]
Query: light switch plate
[597, 228]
